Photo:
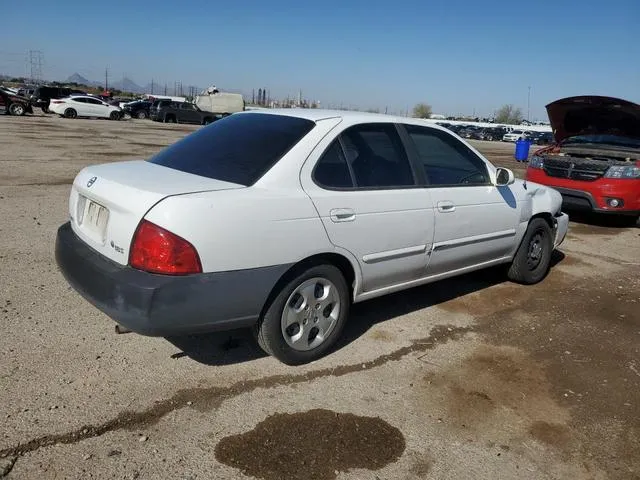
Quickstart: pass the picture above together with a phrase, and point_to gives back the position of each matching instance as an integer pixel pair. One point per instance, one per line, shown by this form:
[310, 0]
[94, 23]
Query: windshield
[603, 139]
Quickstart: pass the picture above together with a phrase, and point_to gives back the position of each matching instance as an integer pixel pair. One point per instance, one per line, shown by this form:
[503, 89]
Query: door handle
[446, 206]
[342, 215]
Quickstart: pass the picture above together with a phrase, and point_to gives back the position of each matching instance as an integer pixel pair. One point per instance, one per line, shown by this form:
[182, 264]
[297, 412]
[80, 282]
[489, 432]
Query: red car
[595, 160]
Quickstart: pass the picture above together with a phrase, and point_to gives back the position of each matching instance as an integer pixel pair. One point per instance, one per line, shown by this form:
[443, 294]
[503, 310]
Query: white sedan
[279, 220]
[514, 136]
[84, 106]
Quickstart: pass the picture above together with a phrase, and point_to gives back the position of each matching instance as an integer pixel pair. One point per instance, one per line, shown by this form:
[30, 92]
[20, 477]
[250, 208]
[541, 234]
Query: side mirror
[504, 177]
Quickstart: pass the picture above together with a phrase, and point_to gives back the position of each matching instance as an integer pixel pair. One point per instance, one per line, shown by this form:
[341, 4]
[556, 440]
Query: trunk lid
[108, 201]
[594, 115]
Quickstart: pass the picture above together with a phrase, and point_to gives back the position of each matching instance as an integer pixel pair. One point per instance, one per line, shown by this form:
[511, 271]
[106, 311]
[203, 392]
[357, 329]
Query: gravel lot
[469, 378]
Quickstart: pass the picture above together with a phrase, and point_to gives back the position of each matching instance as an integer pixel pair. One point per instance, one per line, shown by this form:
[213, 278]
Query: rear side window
[377, 157]
[238, 149]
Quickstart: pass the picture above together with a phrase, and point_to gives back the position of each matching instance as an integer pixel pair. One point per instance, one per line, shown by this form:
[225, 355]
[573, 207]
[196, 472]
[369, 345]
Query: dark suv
[184, 112]
[139, 109]
[43, 95]
[158, 104]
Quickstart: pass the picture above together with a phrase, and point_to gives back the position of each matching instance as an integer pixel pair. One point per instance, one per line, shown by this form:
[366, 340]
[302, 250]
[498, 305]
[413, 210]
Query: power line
[35, 63]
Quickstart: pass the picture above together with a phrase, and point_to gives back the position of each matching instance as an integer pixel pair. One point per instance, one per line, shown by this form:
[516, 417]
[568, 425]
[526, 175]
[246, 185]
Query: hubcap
[536, 251]
[310, 314]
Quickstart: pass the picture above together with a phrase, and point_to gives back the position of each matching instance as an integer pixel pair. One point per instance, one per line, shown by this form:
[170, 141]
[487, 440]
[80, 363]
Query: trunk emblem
[91, 181]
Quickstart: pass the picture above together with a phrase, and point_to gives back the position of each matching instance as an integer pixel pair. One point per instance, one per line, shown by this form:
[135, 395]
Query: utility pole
[165, 88]
[106, 79]
[528, 102]
[152, 86]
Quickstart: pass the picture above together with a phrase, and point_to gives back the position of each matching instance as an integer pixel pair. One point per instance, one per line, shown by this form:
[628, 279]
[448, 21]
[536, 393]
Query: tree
[422, 110]
[509, 114]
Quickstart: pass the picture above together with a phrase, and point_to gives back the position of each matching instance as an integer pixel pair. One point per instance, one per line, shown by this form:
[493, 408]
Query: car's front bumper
[592, 196]
[163, 305]
[562, 226]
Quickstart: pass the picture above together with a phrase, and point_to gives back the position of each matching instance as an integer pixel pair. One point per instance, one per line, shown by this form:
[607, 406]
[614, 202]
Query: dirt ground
[470, 378]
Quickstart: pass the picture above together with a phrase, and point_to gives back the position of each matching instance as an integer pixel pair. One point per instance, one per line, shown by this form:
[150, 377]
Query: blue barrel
[522, 150]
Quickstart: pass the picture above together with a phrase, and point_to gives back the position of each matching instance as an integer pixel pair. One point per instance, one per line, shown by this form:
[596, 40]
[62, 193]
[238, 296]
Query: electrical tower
[36, 59]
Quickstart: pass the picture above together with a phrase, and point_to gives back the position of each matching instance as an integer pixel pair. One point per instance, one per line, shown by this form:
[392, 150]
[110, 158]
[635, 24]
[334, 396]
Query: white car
[279, 220]
[84, 106]
[514, 136]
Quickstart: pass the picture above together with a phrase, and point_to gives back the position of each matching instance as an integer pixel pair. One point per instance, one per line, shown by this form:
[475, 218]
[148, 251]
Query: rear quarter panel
[245, 228]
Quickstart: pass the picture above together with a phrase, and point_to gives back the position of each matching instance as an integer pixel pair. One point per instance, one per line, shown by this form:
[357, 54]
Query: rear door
[371, 204]
[475, 221]
[80, 105]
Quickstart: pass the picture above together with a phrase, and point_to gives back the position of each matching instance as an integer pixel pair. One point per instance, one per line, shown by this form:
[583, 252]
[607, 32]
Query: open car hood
[594, 115]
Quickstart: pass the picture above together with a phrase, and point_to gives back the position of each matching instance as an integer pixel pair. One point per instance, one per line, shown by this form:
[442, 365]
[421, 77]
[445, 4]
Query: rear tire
[141, 115]
[45, 109]
[532, 260]
[306, 317]
[169, 119]
[70, 113]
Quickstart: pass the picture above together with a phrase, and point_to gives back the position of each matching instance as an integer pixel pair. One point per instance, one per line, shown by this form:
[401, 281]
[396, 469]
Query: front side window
[445, 159]
[239, 149]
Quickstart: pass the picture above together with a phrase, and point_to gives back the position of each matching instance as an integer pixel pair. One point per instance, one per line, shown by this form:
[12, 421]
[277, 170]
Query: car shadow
[238, 346]
[601, 219]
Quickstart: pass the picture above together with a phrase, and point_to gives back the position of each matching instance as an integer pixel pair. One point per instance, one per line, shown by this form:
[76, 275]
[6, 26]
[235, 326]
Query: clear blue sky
[456, 55]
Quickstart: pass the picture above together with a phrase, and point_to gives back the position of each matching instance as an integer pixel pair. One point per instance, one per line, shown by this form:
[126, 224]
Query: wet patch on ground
[578, 339]
[210, 398]
[312, 445]
[590, 230]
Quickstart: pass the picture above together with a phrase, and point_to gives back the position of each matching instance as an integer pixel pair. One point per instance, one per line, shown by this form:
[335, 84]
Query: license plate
[93, 218]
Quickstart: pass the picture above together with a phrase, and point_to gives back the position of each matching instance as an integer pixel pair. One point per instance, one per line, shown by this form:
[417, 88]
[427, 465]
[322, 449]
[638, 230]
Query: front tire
[532, 260]
[70, 113]
[17, 109]
[306, 317]
[114, 116]
[141, 115]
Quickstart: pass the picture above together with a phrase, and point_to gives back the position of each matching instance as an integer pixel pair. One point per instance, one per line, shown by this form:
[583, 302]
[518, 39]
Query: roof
[315, 114]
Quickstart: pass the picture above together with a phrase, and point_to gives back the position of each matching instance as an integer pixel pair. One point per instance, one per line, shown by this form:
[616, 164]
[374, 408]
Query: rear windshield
[238, 149]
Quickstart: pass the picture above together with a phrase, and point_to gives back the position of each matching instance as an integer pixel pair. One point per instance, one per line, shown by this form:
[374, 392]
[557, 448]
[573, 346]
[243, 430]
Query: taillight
[157, 250]
[57, 101]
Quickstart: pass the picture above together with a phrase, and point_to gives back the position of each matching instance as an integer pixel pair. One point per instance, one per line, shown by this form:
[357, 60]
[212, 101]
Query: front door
[475, 221]
[367, 195]
[188, 114]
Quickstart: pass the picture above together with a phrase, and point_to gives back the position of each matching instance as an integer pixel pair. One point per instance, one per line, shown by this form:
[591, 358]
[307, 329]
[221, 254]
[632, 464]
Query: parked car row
[499, 134]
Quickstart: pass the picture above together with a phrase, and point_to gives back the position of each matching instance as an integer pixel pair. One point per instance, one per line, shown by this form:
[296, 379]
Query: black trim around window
[412, 151]
[420, 175]
[416, 169]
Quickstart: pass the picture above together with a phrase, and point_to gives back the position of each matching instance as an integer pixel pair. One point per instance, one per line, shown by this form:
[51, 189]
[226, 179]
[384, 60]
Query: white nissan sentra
[280, 220]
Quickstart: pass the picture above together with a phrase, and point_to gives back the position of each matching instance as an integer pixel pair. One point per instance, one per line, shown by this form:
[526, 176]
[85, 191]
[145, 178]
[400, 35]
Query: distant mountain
[79, 79]
[128, 85]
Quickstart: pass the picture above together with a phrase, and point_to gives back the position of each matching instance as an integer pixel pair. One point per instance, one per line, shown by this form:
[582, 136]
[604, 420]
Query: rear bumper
[161, 305]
